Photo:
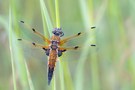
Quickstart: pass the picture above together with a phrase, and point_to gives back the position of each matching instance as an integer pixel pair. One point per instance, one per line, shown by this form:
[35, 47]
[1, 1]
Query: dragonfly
[54, 48]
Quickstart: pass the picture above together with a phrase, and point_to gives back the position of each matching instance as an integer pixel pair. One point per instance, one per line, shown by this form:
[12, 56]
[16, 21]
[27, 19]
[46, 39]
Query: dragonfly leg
[60, 52]
[47, 51]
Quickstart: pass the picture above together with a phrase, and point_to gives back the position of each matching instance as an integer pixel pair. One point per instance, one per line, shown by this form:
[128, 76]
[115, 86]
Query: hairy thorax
[55, 38]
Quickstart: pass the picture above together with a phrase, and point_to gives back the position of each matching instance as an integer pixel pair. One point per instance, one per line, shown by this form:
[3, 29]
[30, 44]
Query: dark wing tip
[22, 21]
[93, 27]
[33, 29]
[93, 45]
[79, 33]
[76, 47]
[19, 39]
[49, 81]
[33, 43]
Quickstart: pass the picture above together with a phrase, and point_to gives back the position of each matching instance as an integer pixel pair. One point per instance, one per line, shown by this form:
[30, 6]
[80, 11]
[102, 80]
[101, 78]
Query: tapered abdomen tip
[22, 21]
[49, 82]
[50, 74]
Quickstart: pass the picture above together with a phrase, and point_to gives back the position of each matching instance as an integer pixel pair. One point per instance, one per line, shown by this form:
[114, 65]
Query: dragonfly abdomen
[51, 64]
[53, 54]
[50, 74]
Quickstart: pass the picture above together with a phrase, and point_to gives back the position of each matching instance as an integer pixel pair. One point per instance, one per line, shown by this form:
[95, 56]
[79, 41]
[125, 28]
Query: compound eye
[56, 33]
[61, 34]
[53, 31]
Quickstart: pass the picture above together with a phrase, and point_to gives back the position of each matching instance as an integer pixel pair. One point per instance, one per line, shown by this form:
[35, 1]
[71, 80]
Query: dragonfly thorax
[54, 42]
[54, 47]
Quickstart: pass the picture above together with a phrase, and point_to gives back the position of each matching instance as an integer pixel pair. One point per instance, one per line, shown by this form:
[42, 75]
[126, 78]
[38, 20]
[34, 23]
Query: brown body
[52, 58]
[53, 53]
[54, 37]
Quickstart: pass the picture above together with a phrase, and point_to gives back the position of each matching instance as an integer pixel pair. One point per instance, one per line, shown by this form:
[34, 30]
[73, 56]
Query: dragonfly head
[58, 32]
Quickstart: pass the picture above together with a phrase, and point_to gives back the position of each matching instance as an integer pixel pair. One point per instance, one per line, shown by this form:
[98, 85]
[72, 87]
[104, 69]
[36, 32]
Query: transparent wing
[63, 41]
[32, 50]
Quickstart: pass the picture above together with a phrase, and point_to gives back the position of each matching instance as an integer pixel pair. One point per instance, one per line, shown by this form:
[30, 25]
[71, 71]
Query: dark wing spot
[33, 43]
[43, 48]
[19, 39]
[79, 33]
[93, 27]
[76, 47]
[22, 21]
[93, 45]
[33, 29]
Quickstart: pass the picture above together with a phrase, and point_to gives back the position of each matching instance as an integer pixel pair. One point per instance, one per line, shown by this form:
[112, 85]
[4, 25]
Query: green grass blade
[11, 51]
[46, 16]
[68, 82]
[79, 73]
[17, 53]
[61, 74]
[80, 69]
[57, 14]
[29, 77]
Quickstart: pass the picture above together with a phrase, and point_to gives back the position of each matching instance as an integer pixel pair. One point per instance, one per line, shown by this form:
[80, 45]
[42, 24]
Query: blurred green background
[108, 66]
